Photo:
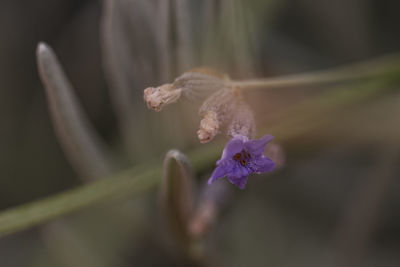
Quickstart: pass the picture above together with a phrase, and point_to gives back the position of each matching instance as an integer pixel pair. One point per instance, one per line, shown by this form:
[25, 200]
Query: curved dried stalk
[82, 145]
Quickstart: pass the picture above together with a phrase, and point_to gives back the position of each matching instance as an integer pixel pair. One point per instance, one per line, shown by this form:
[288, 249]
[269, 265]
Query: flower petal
[263, 164]
[223, 169]
[256, 147]
[239, 171]
[235, 145]
[251, 160]
[239, 182]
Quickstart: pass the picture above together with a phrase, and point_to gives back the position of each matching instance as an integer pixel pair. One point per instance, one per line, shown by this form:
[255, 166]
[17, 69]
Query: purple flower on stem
[240, 158]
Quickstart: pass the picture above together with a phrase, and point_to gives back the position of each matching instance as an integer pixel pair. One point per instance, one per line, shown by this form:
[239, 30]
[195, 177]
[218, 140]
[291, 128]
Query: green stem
[123, 184]
[130, 182]
[368, 69]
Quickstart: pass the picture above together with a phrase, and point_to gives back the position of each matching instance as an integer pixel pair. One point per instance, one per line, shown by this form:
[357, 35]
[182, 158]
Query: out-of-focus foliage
[333, 203]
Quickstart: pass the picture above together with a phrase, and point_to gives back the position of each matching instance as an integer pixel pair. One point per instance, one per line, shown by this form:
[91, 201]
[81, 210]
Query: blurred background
[335, 202]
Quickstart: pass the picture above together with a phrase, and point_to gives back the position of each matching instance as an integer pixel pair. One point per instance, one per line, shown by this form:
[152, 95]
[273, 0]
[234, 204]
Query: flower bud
[158, 97]
[193, 85]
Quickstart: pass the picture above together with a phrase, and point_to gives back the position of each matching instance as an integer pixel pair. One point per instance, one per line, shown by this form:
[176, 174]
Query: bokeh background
[334, 203]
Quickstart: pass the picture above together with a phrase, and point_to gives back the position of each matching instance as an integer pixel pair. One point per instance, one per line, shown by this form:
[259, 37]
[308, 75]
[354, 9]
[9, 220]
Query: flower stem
[368, 69]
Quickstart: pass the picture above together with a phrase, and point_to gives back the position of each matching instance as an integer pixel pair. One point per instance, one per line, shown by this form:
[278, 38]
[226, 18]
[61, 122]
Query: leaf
[77, 136]
[177, 196]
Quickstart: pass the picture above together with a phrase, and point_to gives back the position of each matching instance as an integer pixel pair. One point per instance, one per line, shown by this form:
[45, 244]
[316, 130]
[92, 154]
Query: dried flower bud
[193, 85]
[225, 106]
[209, 127]
[158, 97]
[216, 112]
[242, 122]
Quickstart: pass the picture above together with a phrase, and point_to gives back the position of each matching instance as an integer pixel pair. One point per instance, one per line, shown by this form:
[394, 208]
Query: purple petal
[223, 169]
[235, 145]
[239, 171]
[256, 147]
[239, 182]
[263, 164]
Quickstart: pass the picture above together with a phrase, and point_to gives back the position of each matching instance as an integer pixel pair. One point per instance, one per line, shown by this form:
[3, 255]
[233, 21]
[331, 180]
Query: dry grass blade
[79, 140]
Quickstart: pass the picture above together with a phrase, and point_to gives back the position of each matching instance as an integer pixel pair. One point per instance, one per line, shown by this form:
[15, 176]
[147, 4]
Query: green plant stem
[122, 184]
[130, 182]
[368, 69]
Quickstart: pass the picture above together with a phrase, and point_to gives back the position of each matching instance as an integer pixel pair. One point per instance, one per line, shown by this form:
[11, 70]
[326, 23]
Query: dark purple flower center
[242, 157]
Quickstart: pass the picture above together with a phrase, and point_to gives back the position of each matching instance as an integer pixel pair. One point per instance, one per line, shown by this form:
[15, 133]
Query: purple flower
[240, 158]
